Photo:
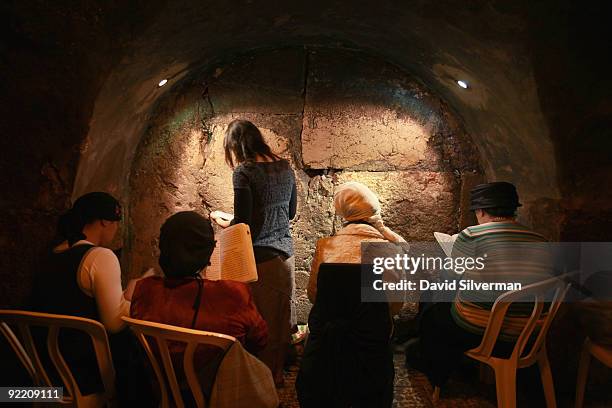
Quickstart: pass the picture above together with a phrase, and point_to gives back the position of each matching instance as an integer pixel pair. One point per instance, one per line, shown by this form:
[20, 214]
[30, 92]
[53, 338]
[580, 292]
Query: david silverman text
[446, 285]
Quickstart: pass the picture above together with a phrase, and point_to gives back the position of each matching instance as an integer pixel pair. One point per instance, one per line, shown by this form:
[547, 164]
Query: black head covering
[500, 194]
[186, 242]
[87, 209]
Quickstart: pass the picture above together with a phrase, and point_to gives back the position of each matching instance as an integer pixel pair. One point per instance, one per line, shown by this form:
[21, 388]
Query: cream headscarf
[356, 202]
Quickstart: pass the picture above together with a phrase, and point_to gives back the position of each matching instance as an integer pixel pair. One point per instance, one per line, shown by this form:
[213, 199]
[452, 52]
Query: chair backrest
[338, 287]
[161, 334]
[339, 296]
[356, 332]
[26, 349]
[550, 291]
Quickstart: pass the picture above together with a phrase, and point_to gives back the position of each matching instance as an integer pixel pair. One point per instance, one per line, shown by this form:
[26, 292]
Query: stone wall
[336, 116]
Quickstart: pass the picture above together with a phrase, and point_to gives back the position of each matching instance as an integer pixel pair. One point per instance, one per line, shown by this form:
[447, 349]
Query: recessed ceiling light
[162, 82]
[462, 84]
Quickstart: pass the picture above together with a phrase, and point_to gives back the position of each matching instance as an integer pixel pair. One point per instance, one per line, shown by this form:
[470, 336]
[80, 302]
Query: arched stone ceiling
[483, 43]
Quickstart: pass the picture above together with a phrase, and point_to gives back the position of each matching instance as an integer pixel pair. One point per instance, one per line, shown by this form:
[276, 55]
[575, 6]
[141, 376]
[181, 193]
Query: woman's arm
[128, 293]
[314, 272]
[105, 275]
[293, 202]
[243, 206]
[243, 198]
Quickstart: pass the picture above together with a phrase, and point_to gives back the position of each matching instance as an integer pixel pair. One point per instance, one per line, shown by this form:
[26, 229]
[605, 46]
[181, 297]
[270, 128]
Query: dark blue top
[265, 198]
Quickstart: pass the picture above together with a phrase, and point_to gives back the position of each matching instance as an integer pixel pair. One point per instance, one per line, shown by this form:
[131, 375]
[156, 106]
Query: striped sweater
[512, 253]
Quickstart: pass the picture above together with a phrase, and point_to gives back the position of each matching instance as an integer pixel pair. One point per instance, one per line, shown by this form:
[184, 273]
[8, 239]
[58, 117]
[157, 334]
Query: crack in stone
[304, 90]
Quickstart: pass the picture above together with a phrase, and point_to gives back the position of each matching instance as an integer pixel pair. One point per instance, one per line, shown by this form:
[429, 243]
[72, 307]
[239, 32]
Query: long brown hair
[243, 142]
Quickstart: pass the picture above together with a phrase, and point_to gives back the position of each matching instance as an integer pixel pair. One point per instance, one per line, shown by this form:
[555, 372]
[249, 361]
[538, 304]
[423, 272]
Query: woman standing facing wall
[265, 198]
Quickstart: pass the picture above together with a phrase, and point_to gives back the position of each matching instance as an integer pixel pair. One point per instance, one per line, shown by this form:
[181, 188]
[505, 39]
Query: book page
[213, 271]
[237, 257]
[446, 242]
[233, 258]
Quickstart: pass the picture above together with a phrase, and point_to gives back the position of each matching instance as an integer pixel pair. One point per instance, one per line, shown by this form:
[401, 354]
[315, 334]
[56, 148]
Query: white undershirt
[100, 277]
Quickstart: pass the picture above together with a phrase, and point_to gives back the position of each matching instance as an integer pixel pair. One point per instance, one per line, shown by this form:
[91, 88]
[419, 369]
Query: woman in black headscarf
[184, 297]
[82, 277]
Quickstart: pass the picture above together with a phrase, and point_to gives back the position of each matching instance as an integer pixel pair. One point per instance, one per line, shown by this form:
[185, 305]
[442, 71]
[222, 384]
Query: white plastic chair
[27, 353]
[161, 334]
[601, 353]
[505, 369]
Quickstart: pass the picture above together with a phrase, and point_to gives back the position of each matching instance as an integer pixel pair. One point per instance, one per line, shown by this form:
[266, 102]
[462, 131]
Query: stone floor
[464, 390]
[412, 390]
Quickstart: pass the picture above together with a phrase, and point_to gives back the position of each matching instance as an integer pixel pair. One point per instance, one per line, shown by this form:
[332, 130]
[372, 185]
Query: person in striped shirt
[512, 253]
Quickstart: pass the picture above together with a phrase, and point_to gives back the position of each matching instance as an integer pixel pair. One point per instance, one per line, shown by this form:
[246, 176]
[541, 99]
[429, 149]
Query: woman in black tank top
[87, 229]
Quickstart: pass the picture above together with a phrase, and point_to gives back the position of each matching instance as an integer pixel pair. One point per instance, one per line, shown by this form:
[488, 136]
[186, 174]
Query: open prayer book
[233, 257]
[446, 242]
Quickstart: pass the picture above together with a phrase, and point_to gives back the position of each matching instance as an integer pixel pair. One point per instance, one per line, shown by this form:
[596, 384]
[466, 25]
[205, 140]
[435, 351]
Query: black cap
[500, 194]
[186, 242]
[98, 206]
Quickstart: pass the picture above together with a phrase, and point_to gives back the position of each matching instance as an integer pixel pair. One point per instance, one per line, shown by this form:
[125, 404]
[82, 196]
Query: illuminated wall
[336, 116]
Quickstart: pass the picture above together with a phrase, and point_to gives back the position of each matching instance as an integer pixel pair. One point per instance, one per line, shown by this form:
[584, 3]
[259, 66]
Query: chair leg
[583, 372]
[547, 379]
[505, 385]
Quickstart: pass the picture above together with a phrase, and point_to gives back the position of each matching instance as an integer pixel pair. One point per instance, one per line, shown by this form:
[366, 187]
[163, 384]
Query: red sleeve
[145, 303]
[136, 304]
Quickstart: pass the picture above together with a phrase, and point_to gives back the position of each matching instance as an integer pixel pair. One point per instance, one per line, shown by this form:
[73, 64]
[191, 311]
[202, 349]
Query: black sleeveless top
[56, 290]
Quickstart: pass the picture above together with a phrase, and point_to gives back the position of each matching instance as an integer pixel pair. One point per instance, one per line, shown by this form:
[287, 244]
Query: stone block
[302, 306]
[315, 216]
[360, 115]
[468, 181]
[301, 279]
[413, 203]
[271, 82]
[352, 139]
